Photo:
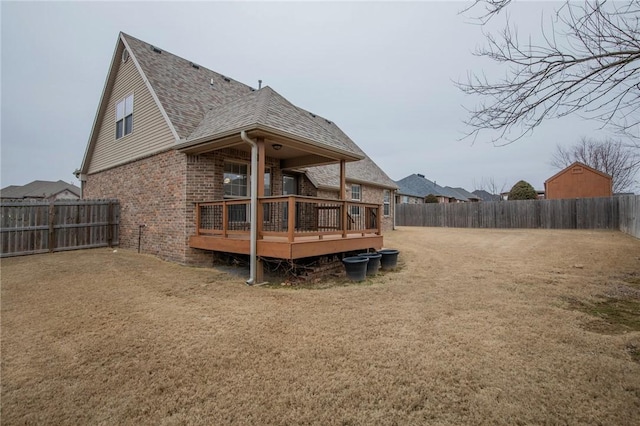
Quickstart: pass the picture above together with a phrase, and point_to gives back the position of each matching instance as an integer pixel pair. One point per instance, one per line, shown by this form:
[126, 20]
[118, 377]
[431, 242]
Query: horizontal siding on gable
[150, 130]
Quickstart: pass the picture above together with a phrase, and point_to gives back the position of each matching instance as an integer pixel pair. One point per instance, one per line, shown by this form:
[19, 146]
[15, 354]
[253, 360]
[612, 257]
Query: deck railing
[289, 216]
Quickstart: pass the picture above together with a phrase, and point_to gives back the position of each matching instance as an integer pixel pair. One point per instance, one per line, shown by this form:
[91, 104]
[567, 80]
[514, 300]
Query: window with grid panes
[356, 195]
[124, 117]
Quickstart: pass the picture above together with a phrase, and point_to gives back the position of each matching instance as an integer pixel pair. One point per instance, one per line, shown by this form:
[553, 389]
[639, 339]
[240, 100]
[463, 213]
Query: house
[202, 163]
[414, 188]
[486, 196]
[578, 181]
[462, 195]
[41, 190]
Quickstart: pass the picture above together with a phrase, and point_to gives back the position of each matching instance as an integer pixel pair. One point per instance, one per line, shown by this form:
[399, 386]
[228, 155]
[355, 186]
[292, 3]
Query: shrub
[430, 199]
[522, 191]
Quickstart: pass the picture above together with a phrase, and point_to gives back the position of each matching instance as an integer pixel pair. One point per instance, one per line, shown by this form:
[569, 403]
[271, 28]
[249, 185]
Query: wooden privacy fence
[578, 213]
[630, 215]
[39, 227]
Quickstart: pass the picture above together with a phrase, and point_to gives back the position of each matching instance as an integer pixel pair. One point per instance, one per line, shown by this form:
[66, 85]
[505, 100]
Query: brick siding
[151, 192]
[160, 192]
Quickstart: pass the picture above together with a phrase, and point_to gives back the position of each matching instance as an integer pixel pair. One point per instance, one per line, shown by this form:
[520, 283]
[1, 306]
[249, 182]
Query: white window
[266, 208]
[236, 185]
[387, 201]
[124, 117]
[267, 182]
[236, 178]
[356, 195]
[405, 199]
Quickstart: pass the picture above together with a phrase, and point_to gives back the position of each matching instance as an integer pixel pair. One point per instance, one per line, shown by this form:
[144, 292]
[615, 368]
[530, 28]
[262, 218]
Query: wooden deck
[291, 227]
[278, 247]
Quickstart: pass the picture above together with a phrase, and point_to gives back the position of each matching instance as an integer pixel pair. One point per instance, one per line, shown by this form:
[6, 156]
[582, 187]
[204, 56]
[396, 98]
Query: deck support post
[259, 271]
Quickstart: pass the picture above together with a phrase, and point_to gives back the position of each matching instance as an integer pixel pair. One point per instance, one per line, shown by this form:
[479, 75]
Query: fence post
[52, 210]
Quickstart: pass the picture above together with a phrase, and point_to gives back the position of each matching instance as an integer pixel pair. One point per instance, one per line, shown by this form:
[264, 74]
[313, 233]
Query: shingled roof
[486, 196]
[184, 89]
[269, 109]
[202, 103]
[462, 194]
[417, 185]
[38, 189]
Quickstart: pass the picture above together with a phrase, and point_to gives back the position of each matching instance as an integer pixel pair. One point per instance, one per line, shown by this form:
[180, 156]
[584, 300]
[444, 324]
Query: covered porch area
[279, 215]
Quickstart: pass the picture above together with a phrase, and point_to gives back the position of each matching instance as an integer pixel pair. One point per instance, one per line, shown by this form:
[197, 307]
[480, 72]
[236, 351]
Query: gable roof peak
[185, 90]
[580, 164]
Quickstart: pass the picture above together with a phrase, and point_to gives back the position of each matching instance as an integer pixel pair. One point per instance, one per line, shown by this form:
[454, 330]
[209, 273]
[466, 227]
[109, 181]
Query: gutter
[253, 249]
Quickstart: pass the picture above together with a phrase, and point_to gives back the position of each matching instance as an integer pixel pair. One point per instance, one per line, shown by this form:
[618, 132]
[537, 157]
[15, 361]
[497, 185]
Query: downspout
[253, 249]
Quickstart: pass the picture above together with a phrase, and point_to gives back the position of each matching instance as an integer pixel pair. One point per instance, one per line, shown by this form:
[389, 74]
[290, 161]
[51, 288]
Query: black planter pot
[374, 262]
[389, 259]
[356, 267]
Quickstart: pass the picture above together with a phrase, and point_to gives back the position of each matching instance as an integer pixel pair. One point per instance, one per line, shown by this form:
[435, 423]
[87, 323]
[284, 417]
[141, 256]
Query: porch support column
[261, 166]
[343, 180]
[260, 176]
[343, 196]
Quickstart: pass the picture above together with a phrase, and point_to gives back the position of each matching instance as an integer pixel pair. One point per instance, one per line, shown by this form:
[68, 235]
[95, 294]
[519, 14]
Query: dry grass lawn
[476, 327]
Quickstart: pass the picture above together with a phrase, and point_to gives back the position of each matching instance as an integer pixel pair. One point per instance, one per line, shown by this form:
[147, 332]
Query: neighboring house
[486, 196]
[414, 188]
[462, 195]
[172, 140]
[578, 181]
[41, 190]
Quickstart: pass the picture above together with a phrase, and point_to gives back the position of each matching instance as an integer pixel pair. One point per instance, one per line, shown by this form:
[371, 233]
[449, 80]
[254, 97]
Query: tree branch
[593, 70]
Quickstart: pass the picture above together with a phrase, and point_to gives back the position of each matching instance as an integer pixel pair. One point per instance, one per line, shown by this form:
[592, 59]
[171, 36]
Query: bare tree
[588, 63]
[490, 185]
[610, 156]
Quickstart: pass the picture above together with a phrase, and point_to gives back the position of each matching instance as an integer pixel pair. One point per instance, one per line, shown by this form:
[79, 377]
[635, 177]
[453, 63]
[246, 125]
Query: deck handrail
[365, 218]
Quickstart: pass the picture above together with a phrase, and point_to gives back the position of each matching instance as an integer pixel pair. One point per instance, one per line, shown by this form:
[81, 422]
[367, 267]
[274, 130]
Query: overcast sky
[383, 72]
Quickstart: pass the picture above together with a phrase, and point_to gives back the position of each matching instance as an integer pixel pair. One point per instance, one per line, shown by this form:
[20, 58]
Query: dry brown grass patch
[474, 329]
